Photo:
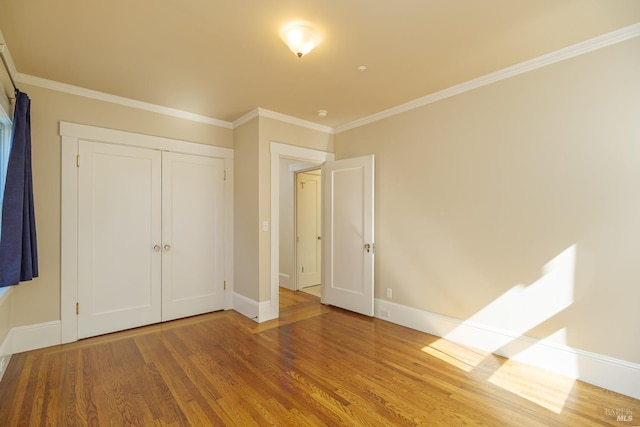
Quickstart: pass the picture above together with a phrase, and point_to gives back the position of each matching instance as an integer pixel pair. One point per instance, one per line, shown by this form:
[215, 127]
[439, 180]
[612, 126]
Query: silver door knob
[156, 248]
[167, 248]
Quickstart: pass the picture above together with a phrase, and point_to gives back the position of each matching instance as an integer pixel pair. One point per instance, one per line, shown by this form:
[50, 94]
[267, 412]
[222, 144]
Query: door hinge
[77, 308]
[224, 287]
[78, 160]
[303, 268]
[225, 175]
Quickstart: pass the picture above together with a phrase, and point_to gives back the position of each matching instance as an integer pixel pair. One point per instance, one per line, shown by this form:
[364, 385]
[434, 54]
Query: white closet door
[193, 235]
[119, 224]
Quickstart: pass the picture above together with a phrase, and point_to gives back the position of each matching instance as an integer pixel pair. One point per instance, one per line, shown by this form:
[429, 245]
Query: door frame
[282, 151]
[71, 134]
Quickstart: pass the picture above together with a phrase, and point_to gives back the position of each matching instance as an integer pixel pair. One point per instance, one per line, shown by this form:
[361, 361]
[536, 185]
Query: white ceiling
[222, 59]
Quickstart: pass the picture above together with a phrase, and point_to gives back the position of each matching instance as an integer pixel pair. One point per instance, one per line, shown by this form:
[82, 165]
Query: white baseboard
[266, 312]
[4, 361]
[32, 337]
[245, 306]
[285, 281]
[5, 346]
[254, 310]
[5, 355]
[597, 369]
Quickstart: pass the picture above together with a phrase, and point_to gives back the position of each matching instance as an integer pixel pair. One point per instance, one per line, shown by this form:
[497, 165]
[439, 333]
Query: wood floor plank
[315, 365]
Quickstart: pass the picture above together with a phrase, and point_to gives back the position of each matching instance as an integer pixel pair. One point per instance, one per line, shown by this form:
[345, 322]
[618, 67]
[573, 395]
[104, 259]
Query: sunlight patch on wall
[523, 307]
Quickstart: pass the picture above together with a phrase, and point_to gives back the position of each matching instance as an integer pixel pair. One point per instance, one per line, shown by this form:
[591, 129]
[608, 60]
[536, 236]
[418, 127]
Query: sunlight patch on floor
[534, 384]
[461, 357]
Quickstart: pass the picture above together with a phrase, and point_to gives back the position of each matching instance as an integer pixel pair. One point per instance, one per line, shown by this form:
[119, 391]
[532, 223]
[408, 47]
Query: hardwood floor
[316, 365]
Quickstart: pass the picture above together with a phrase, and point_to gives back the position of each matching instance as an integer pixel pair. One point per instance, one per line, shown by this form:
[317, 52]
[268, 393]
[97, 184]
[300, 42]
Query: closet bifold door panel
[192, 235]
[119, 223]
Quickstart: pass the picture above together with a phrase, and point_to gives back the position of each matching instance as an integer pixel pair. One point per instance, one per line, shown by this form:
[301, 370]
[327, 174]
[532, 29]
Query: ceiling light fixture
[300, 38]
[321, 113]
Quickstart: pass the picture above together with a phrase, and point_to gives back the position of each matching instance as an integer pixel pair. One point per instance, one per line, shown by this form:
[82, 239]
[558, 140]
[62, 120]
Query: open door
[348, 234]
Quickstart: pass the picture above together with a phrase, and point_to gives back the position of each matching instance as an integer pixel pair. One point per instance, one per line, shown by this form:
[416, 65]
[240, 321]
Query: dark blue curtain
[18, 252]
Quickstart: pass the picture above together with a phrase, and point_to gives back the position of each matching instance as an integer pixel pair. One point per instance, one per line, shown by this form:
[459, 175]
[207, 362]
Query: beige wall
[245, 210]
[39, 301]
[477, 193]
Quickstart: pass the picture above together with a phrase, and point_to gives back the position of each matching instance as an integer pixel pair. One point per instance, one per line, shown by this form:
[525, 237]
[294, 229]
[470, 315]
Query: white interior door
[348, 234]
[193, 235]
[308, 229]
[119, 197]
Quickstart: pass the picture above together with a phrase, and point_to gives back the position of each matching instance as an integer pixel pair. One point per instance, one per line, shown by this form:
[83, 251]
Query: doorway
[299, 224]
[281, 156]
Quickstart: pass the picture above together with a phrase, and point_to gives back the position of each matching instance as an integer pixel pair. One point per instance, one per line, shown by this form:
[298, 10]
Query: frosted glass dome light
[301, 39]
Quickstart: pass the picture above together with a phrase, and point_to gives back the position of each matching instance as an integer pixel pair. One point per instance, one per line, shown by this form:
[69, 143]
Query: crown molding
[294, 120]
[262, 112]
[244, 119]
[114, 99]
[577, 49]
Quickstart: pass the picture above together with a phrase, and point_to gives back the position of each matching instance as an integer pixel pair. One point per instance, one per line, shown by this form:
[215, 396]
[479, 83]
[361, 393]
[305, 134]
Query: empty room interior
[320, 212]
